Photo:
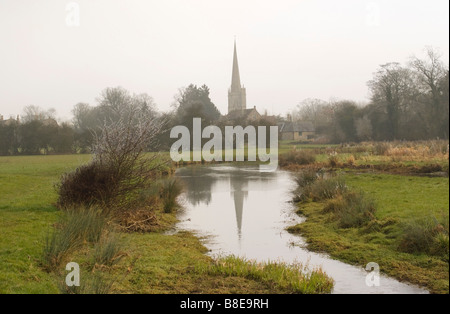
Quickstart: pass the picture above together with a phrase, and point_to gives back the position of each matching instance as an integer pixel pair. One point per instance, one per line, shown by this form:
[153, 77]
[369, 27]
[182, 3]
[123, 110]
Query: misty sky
[288, 50]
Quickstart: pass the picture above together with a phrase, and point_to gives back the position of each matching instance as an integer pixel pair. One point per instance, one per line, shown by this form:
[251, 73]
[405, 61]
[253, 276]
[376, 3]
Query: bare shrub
[120, 168]
[88, 185]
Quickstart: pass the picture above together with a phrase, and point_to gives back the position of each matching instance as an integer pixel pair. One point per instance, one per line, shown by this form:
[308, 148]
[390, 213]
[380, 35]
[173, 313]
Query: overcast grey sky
[288, 50]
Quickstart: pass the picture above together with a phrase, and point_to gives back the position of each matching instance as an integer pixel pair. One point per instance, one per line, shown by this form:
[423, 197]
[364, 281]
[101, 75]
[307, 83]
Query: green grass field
[152, 263]
[26, 216]
[399, 201]
[160, 263]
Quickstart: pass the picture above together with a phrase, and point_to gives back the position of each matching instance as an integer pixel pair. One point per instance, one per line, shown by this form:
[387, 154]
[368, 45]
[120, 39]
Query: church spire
[236, 79]
[237, 95]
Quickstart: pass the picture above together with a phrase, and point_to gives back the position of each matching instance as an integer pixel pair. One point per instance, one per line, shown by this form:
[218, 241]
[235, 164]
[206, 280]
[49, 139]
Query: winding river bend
[244, 212]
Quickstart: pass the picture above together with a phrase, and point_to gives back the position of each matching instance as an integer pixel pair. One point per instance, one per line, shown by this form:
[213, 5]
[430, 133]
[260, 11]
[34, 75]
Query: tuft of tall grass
[426, 235]
[352, 209]
[295, 278]
[77, 226]
[86, 223]
[315, 186]
[57, 246]
[306, 177]
[107, 252]
[169, 192]
[441, 246]
[327, 188]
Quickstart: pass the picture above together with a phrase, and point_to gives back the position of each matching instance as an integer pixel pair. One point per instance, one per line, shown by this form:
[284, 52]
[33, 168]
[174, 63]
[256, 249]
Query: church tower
[237, 96]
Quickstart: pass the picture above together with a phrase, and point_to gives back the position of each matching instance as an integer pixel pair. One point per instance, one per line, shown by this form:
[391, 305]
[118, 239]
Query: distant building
[296, 131]
[50, 122]
[10, 121]
[237, 99]
[246, 115]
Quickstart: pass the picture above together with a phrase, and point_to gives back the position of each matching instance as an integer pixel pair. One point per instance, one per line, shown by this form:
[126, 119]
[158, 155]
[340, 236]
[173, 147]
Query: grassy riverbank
[404, 204]
[421, 157]
[153, 262]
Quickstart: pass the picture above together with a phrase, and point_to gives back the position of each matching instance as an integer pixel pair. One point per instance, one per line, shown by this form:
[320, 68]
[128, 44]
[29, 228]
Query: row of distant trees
[38, 132]
[36, 137]
[408, 102]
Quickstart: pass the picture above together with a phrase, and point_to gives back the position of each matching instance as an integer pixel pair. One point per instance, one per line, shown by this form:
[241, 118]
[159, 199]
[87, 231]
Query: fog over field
[58, 53]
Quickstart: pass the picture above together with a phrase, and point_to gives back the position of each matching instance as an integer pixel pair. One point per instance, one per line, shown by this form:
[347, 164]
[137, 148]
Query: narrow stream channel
[244, 212]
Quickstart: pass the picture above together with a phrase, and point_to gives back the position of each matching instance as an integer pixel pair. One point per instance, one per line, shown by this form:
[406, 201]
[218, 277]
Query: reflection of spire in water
[239, 186]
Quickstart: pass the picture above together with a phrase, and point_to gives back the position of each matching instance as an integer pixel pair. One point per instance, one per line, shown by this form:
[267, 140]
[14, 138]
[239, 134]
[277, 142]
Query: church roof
[242, 114]
[300, 126]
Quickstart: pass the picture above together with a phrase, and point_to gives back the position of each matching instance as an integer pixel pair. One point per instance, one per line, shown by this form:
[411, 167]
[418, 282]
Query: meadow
[407, 183]
[131, 262]
[389, 207]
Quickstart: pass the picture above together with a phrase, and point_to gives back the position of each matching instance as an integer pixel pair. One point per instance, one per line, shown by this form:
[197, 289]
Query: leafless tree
[364, 128]
[120, 147]
[36, 113]
[430, 74]
[392, 89]
[121, 166]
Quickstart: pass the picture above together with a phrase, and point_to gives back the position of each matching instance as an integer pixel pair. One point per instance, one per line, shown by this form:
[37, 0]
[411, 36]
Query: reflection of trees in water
[198, 185]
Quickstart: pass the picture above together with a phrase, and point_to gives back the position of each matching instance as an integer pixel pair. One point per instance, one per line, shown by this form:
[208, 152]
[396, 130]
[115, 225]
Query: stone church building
[237, 96]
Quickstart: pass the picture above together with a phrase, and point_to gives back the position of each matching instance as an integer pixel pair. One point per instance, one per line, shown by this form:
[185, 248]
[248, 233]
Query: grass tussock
[108, 252]
[352, 209]
[426, 236]
[315, 186]
[324, 189]
[169, 192]
[76, 227]
[294, 278]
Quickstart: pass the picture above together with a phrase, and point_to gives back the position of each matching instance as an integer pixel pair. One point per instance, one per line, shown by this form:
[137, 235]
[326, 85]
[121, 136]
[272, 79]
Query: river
[245, 212]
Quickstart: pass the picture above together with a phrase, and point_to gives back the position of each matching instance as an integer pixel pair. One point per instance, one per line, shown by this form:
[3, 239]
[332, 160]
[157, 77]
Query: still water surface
[244, 212]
